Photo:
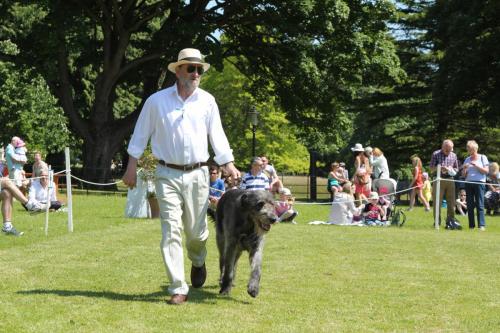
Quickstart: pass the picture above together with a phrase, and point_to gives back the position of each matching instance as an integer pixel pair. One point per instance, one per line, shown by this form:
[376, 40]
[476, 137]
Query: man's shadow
[207, 294]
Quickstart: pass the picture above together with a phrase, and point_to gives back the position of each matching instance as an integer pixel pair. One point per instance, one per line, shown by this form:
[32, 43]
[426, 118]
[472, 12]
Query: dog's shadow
[207, 294]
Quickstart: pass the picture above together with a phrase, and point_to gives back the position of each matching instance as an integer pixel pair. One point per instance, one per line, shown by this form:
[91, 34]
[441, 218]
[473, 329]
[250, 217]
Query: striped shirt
[253, 183]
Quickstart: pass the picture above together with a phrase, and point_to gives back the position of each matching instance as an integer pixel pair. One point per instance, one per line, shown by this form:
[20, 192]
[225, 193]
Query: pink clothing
[362, 189]
[281, 207]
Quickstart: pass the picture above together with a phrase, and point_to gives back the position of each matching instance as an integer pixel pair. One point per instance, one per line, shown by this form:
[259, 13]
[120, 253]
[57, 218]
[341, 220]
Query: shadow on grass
[207, 294]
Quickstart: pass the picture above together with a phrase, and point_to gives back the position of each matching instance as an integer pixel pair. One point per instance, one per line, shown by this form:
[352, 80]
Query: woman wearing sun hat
[362, 172]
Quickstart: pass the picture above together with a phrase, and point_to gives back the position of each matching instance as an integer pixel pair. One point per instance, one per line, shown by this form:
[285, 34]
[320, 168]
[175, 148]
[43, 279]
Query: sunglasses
[192, 68]
[213, 173]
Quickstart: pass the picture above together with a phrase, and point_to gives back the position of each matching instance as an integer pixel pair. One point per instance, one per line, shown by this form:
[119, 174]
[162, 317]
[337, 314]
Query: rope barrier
[297, 203]
[99, 184]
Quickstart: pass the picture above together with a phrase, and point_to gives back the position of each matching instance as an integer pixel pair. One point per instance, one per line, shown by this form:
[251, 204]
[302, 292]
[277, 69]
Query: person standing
[15, 161]
[475, 169]
[447, 159]
[179, 120]
[417, 184]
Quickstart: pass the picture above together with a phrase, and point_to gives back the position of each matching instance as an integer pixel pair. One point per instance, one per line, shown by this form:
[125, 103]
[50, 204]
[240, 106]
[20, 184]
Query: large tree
[27, 107]
[103, 58]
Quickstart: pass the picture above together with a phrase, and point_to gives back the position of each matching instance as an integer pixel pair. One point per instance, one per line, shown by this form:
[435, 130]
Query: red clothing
[419, 182]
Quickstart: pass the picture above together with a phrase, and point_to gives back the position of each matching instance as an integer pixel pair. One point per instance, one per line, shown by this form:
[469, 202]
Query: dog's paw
[253, 290]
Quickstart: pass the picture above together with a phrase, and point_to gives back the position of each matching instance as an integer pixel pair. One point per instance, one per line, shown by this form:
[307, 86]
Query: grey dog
[242, 219]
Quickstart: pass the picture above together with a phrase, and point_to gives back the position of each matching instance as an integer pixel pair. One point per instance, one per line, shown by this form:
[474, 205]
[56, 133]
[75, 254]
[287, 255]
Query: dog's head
[260, 208]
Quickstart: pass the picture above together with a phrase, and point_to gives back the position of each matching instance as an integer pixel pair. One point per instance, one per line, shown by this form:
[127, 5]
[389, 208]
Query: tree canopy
[101, 59]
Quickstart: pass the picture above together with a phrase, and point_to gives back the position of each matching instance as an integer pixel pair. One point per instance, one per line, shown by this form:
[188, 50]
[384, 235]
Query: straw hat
[188, 56]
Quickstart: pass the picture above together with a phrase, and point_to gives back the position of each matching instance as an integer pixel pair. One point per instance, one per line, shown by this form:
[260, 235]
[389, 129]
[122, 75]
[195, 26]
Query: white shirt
[179, 129]
[343, 209]
[38, 193]
[380, 167]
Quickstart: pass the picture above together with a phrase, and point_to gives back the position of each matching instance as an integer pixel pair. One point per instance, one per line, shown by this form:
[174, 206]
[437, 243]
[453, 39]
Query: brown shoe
[178, 299]
[198, 276]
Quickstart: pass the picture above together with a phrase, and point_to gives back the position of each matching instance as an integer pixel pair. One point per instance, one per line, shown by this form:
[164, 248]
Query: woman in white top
[379, 164]
[41, 192]
[343, 209]
[475, 169]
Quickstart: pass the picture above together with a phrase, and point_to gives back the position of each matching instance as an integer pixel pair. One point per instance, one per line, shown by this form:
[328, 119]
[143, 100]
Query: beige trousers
[447, 190]
[183, 200]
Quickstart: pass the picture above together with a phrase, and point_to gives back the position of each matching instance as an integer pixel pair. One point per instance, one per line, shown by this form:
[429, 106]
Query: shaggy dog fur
[242, 219]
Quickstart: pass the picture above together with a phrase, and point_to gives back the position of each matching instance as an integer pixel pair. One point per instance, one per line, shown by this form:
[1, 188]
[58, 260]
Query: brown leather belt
[183, 167]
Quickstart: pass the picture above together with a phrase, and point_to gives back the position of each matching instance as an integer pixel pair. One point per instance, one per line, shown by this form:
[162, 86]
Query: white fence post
[437, 203]
[49, 187]
[68, 190]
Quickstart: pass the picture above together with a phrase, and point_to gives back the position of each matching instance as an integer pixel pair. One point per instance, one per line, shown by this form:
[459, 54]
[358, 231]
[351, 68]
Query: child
[335, 178]
[426, 187]
[417, 184]
[372, 212]
[384, 204]
[284, 207]
[19, 174]
[461, 203]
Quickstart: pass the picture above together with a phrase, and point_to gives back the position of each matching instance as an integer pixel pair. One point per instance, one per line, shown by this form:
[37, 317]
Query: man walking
[178, 121]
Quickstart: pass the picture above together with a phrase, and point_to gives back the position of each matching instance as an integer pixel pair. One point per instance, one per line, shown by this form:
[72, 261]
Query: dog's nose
[273, 219]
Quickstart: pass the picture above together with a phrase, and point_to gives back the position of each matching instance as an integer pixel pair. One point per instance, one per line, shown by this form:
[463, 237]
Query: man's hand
[231, 171]
[130, 176]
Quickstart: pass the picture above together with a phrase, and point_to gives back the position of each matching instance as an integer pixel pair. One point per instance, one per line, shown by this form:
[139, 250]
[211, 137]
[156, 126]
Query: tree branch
[65, 96]
[137, 62]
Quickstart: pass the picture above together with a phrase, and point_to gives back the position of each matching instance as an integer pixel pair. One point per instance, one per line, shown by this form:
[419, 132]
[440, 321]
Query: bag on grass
[398, 218]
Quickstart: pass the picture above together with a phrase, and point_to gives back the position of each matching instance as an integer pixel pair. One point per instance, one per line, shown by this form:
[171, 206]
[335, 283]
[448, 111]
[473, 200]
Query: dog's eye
[260, 204]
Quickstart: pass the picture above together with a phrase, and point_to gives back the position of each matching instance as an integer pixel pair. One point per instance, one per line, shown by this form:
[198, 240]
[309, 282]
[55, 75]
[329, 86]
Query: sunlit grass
[108, 276]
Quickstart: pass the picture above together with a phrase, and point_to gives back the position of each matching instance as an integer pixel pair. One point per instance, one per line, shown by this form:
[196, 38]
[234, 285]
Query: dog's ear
[243, 200]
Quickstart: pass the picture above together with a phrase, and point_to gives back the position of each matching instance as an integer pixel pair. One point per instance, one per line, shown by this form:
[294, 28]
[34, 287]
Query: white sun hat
[358, 147]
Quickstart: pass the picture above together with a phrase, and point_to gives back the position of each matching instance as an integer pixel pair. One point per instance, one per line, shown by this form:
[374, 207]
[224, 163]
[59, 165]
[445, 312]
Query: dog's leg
[230, 255]
[255, 265]
[220, 245]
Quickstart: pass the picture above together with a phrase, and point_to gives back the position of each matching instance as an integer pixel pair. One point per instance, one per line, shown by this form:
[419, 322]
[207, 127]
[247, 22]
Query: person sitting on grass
[43, 192]
[372, 212]
[8, 191]
[216, 190]
[343, 210]
[255, 179]
[461, 203]
[284, 206]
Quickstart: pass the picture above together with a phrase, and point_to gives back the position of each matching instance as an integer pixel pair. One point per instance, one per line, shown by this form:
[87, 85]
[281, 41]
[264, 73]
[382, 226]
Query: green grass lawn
[108, 276]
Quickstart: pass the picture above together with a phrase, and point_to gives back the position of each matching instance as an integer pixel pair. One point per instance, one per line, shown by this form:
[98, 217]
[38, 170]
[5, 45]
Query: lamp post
[254, 121]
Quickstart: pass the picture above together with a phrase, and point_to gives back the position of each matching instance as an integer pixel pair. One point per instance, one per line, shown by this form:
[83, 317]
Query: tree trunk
[97, 156]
